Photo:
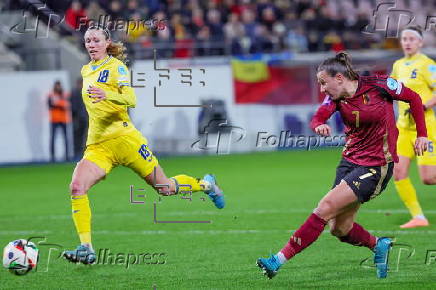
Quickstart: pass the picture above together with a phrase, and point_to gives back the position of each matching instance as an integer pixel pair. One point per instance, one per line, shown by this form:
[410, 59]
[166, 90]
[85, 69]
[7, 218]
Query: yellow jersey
[109, 118]
[419, 74]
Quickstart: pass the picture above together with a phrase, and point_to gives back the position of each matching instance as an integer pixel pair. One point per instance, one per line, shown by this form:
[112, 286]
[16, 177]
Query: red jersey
[371, 133]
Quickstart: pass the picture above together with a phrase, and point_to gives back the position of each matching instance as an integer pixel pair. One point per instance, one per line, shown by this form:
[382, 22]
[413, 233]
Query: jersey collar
[99, 63]
[410, 60]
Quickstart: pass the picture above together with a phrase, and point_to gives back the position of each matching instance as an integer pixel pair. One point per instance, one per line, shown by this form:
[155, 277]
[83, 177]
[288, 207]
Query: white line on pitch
[168, 212]
[23, 234]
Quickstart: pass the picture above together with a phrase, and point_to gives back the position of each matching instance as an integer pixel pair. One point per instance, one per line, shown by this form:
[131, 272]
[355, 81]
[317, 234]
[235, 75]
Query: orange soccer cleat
[415, 222]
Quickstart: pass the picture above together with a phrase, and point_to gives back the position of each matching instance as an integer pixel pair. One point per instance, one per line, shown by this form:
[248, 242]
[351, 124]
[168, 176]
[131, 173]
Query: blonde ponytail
[117, 50]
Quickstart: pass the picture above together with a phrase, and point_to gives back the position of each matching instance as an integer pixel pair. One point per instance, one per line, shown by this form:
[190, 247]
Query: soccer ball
[20, 256]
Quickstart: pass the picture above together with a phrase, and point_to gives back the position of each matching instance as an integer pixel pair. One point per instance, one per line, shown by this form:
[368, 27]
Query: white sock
[420, 216]
[282, 258]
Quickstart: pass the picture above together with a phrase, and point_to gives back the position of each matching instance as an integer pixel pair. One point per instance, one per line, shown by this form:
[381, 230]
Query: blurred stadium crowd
[224, 27]
[191, 28]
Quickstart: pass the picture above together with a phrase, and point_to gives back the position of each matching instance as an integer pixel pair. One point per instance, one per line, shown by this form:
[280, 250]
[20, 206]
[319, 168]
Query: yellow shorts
[128, 150]
[406, 142]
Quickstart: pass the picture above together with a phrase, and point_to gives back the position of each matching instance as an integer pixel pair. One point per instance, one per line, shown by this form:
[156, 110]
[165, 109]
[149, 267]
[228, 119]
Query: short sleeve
[430, 74]
[123, 77]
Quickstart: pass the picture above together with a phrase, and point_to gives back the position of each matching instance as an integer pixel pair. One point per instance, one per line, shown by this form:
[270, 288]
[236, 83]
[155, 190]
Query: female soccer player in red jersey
[366, 106]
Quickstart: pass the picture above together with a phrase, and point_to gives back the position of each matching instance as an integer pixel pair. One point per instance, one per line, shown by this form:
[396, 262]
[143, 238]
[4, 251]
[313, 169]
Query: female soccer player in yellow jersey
[417, 72]
[113, 140]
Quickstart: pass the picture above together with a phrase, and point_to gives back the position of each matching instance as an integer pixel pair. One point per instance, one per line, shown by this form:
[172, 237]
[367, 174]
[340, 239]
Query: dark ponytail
[341, 63]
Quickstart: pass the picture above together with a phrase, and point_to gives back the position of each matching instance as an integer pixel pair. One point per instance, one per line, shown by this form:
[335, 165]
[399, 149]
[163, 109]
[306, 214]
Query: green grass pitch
[267, 194]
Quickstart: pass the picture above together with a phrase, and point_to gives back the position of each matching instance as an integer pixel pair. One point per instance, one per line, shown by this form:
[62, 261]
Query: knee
[77, 187]
[429, 180]
[325, 210]
[400, 173]
[339, 231]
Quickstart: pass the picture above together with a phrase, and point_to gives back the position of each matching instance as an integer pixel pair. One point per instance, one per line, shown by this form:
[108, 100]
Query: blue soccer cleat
[381, 256]
[270, 266]
[82, 254]
[215, 193]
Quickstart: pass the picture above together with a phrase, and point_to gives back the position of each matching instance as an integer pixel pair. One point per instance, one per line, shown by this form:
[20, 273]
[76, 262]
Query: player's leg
[271, 265]
[335, 202]
[97, 162]
[185, 184]
[428, 174]
[141, 159]
[348, 231]
[85, 175]
[367, 183]
[170, 186]
[402, 182]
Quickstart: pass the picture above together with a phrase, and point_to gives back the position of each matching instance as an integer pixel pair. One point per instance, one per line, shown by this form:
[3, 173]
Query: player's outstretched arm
[401, 93]
[417, 111]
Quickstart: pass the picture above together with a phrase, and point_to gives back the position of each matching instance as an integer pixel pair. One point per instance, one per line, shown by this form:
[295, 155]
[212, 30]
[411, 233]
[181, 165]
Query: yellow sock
[82, 217]
[195, 183]
[407, 194]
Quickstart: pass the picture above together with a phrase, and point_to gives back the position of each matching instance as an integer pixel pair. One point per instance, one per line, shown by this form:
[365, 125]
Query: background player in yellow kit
[417, 72]
[113, 140]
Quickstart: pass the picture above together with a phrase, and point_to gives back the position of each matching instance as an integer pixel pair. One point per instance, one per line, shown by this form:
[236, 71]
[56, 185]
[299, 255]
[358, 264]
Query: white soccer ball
[20, 256]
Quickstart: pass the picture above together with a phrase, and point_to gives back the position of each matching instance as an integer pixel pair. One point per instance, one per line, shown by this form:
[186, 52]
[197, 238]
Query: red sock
[304, 236]
[360, 237]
